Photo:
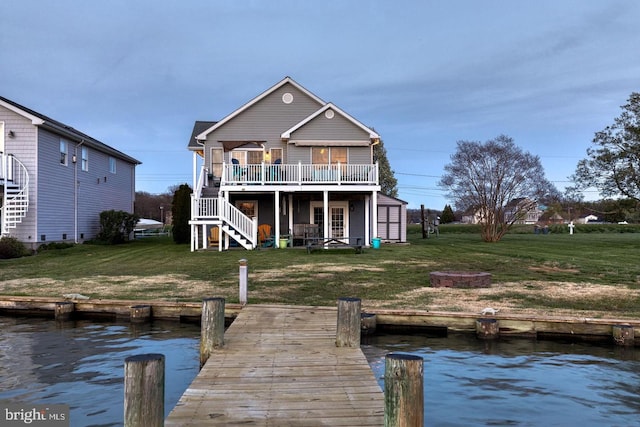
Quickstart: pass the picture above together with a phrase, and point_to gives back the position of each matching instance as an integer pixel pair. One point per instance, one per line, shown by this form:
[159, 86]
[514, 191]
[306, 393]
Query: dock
[280, 367]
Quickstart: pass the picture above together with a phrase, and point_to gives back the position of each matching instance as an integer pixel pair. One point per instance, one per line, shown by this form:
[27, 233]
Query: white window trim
[84, 159]
[65, 152]
[337, 204]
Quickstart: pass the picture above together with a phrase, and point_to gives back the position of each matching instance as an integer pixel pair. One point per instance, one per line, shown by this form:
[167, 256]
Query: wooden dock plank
[280, 367]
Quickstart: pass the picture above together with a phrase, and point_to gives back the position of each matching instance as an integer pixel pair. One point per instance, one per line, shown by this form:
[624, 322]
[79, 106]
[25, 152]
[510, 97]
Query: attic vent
[287, 98]
[329, 114]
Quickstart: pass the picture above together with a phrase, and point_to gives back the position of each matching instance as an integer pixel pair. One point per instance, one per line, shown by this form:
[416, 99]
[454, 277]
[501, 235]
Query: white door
[338, 219]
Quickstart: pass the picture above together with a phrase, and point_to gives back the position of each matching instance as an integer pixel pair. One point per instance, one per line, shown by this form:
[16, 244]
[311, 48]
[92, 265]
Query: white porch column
[193, 238]
[374, 213]
[195, 170]
[276, 208]
[367, 227]
[325, 213]
[290, 198]
[204, 236]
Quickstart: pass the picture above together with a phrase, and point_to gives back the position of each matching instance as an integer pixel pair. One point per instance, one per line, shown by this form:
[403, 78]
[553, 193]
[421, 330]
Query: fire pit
[460, 279]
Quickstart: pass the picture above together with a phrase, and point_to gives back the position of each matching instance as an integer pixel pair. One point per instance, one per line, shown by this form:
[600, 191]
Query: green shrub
[55, 245]
[10, 247]
[181, 212]
[116, 226]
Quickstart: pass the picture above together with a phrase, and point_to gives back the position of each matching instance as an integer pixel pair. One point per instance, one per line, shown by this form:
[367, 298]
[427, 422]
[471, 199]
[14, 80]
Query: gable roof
[287, 80]
[38, 119]
[330, 106]
[198, 127]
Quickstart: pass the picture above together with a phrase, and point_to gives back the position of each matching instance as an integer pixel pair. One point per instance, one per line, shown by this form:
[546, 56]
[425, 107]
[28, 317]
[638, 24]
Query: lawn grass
[394, 276]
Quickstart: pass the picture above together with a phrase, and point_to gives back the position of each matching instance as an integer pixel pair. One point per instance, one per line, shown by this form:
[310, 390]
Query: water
[516, 382]
[81, 363]
[519, 382]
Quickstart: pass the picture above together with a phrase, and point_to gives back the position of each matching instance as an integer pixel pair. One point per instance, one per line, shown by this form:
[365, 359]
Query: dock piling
[623, 335]
[140, 313]
[211, 327]
[487, 328]
[64, 310]
[144, 390]
[403, 390]
[349, 318]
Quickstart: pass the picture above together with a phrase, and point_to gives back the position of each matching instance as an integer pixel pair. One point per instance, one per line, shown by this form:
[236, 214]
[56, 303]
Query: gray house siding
[265, 120]
[337, 128]
[24, 148]
[56, 205]
[98, 190]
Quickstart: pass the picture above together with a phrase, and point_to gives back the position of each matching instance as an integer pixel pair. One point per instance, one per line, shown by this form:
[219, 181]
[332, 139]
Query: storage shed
[392, 219]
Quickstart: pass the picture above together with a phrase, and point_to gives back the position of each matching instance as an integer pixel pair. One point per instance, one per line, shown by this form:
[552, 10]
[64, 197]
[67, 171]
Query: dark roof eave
[86, 139]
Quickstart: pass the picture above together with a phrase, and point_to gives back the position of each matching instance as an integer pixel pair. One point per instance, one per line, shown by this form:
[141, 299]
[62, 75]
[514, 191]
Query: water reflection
[519, 381]
[468, 382]
[81, 363]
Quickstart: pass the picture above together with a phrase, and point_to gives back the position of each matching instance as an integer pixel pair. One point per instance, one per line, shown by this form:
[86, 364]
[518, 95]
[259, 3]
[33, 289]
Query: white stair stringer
[238, 237]
[15, 202]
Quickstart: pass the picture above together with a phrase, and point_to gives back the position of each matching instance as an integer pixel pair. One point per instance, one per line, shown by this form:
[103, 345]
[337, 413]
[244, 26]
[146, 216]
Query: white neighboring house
[55, 180]
[518, 211]
[289, 161]
[586, 219]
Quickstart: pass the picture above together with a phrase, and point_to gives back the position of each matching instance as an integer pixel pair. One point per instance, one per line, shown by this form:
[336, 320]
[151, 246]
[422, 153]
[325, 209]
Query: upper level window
[328, 155]
[64, 157]
[217, 157]
[248, 157]
[85, 158]
[275, 154]
[112, 164]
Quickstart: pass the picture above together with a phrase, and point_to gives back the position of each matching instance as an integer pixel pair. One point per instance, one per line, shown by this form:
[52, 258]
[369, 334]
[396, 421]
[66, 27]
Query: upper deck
[299, 174]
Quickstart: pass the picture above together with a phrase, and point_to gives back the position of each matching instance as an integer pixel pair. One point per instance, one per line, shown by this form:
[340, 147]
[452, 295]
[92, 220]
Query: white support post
[374, 213]
[290, 207]
[367, 224]
[243, 281]
[276, 208]
[325, 213]
[193, 237]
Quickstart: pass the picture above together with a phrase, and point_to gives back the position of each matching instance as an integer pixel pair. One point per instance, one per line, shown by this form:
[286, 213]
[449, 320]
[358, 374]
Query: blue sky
[424, 74]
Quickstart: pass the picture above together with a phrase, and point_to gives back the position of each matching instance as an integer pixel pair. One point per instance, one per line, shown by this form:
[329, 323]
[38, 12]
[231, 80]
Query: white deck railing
[299, 174]
[218, 209]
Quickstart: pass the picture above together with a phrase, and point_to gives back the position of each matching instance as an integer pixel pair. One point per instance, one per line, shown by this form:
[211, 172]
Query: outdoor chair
[214, 236]
[238, 171]
[265, 238]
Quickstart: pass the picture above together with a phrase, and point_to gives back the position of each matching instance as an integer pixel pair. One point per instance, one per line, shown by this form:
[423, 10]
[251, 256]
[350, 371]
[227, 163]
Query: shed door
[389, 222]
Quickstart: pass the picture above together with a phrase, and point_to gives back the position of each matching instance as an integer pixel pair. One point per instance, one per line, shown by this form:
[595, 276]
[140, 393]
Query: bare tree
[498, 181]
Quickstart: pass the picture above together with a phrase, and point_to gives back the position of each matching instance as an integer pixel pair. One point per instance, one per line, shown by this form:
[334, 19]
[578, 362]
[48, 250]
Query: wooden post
[64, 310]
[403, 390]
[487, 328]
[243, 281]
[144, 390]
[348, 330]
[211, 327]
[422, 223]
[140, 313]
[623, 335]
[369, 323]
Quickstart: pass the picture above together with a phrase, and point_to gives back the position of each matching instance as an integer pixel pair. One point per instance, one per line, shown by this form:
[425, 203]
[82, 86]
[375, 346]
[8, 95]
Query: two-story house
[288, 161]
[55, 180]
